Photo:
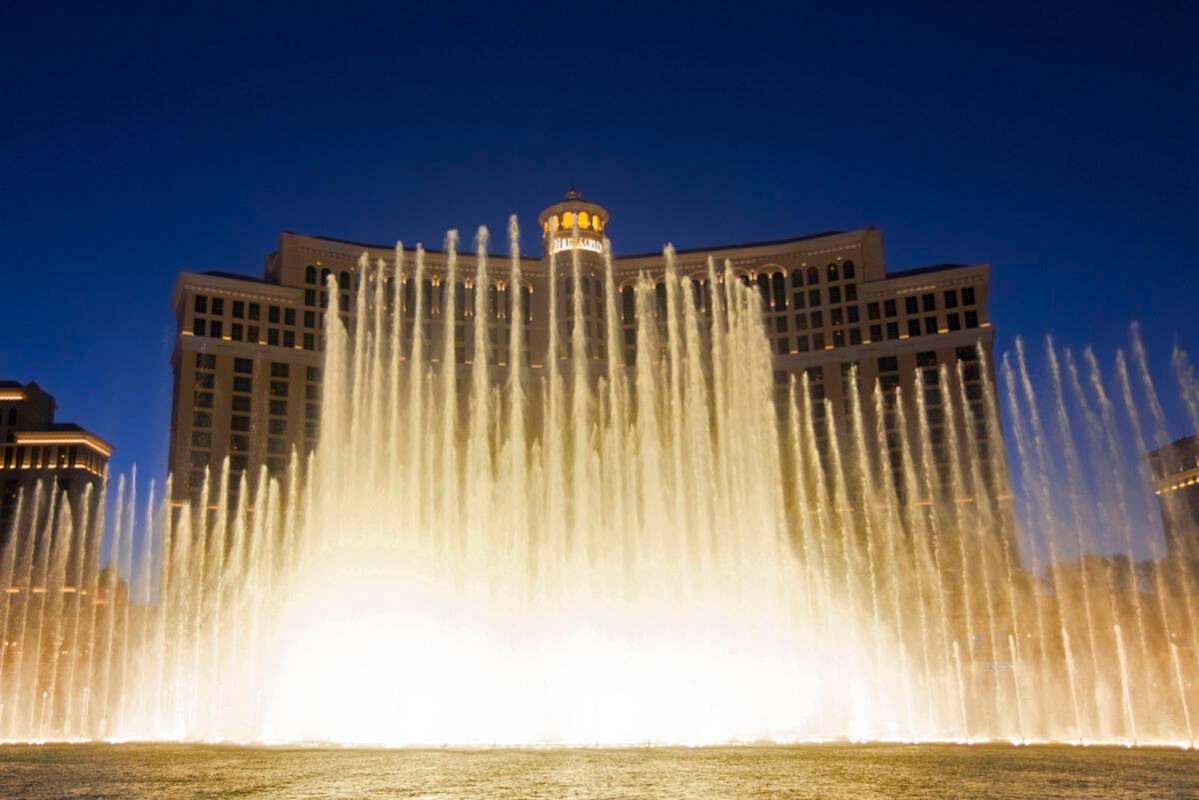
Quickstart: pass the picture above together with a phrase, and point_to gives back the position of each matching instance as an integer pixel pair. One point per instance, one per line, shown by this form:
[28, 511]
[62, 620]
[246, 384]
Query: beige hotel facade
[247, 359]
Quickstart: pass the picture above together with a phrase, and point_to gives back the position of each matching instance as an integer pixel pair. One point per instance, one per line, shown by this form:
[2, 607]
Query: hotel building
[247, 361]
[34, 449]
[1175, 469]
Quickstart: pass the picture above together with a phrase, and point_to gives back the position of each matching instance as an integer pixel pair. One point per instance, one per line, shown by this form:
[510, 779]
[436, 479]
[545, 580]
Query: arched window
[779, 286]
[847, 270]
[426, 288]
[343, 280]
[813, 276]
[796, 278]
[764, 289]
[310, 274]
[526, 304]
[325, 273]
[833, 273]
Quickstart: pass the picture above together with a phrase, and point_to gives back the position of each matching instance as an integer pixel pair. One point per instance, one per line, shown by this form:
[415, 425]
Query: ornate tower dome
[573, 224]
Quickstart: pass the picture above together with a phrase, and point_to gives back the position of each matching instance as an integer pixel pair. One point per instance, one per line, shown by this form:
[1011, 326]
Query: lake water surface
[136, 771]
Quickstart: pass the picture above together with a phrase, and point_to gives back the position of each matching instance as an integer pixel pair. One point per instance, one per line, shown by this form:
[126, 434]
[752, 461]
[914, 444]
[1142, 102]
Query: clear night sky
[1057, 145]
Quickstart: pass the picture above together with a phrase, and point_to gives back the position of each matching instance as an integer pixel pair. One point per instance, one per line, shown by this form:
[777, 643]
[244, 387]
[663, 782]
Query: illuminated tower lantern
[573, 224]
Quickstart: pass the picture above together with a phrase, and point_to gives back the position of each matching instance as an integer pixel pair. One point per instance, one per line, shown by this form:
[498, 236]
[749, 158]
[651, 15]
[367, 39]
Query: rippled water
[132, 772]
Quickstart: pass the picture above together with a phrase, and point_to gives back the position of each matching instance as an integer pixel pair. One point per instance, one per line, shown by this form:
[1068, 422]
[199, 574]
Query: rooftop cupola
[573, 224]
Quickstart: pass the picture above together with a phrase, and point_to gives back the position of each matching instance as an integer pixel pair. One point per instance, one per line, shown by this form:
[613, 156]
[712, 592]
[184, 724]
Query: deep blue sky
[1056, 144]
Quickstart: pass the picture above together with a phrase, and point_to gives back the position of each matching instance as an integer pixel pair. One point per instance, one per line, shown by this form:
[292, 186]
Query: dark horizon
[1054, 146]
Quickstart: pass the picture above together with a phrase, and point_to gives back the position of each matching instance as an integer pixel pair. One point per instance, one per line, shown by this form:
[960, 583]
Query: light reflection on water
[134, 772]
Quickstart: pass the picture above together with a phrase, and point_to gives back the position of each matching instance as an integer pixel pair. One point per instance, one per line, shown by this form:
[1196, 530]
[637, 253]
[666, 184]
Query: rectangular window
[926, 358]
[239, 422]
[244, 366]
[782, 345]
[913, 327]
[818, 341]
[198, 327]
[272, 337]
[201, 304]
[817, 319]
[797, 299]
[872, 311]
[279, 408]
[289, 338]
[851, 293]
[312, 430]
[239, 443]
[888, 364]
[312, 392]
[309, 319]
[214, 330]
[838, 338]
[930, 325]
[236, 332]
[243, 385]
[312, 411]
[834, 294]
[202, 399]
[968, 296]
[277, 426]
[278, 388]
[971, 319]
[967, 354]
[876, 333]
[252, 333]
[836, 316]
[276, 464]
[309, 341]
[201, 419]
[802, 343]
[951, 298]
[273, 315]
[889, 308]
[801, 322]
[953, 322]
[780, 324]
[855, 335]
[892, 330]
[814, 298]
[279, 369]
[851, 314]
[314, 374]
[910, 305]
[930, 301]
[255, 311]
[218, 306]
[276, 446]
[241, 402]
[239, 309]
[199, 458]
[310, 297]
[289, 316]
[201, 438]
[205, 361]
[205, 380]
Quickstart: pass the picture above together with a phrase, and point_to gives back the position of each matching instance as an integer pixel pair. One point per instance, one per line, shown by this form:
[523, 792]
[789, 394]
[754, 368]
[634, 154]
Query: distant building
[247, 359]
[34, 449]
[1175, 468]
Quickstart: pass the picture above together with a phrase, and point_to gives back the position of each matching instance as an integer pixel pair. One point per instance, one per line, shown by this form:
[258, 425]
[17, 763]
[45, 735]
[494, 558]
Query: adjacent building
[1175, 469]
[34, 449]
[247, 361]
